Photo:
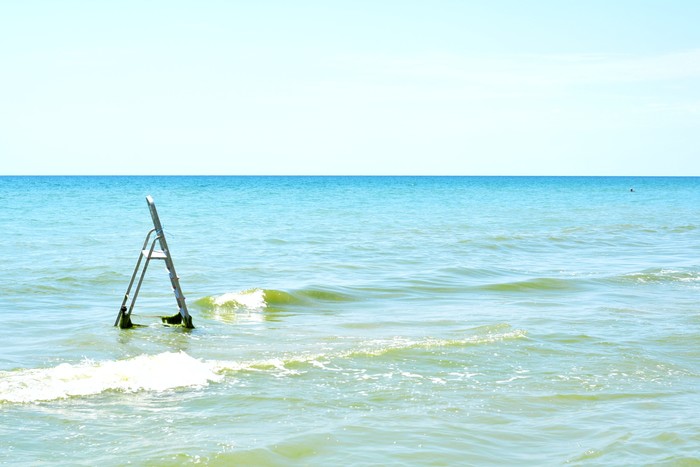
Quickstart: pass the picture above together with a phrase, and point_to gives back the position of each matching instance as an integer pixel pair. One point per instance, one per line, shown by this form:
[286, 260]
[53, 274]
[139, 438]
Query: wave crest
[168, 371]
[660, 276]
[261, 299]
[159, 372]
[543, 284]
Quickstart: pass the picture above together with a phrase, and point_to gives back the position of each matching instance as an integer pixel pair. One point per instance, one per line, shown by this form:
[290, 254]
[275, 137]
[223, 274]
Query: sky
[440, 87]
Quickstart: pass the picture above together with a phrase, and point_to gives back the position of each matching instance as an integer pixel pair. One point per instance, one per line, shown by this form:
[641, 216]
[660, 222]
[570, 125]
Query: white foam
[251, 299]
[160, 372]
[170, 370]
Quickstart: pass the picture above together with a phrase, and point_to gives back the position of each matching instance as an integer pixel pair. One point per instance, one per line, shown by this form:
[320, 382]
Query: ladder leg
[124, 314]
[138, 287]
[183, 317]
[122, 308]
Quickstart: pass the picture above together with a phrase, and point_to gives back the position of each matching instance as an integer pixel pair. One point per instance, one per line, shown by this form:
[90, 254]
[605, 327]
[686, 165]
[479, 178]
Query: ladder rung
[157, 254]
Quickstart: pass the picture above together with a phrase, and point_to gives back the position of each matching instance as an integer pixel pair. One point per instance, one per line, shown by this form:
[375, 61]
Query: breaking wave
[253, 299]
[450, 281]
[172, 370]
[160, 372]
[266, 299]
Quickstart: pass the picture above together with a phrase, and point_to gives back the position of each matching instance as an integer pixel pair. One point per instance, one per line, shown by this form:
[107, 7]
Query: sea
[353, 321]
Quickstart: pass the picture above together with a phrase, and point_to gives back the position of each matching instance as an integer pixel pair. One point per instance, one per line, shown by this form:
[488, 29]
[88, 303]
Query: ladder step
[157, 254]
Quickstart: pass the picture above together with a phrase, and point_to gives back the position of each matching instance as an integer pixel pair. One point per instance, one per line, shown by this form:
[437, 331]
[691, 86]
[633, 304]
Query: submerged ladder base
[178, 320]
[124, 319]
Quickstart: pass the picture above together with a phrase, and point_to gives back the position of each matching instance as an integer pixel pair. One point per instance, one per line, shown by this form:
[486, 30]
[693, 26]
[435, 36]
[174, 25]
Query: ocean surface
[353, 321]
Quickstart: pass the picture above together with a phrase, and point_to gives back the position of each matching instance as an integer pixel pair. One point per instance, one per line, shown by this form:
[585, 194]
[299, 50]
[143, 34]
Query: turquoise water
[353, 321]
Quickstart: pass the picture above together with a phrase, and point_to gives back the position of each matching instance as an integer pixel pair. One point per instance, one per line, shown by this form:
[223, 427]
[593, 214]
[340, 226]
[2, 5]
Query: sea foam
[251, 299]
[159, 372]
[170, 370]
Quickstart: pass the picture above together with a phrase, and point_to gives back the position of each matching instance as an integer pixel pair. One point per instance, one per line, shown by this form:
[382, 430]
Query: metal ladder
[183, 317]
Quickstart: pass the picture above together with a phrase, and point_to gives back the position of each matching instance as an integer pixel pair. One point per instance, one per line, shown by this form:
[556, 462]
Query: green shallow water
[353, 321]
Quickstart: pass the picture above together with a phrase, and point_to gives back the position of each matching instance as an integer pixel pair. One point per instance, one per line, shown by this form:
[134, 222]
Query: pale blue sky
[586, 87]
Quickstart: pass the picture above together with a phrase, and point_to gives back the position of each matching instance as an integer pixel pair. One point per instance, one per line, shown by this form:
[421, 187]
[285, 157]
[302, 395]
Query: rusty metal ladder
[182, 317]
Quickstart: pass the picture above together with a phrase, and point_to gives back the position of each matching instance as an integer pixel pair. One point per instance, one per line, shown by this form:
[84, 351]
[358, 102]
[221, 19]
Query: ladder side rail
[175, 282]
[179, 297]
